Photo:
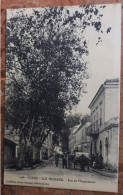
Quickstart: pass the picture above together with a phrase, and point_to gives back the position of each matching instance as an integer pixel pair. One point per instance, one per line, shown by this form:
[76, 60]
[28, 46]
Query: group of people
[65, 161]
[96, 160]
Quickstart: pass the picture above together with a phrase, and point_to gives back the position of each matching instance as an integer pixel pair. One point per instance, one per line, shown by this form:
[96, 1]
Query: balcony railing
[94, 128]
[112, 122]
[97, 126]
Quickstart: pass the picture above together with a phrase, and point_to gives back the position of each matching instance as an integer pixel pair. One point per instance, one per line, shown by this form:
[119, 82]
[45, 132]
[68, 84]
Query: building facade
[78, 139]
[104, 122]
[11, 147]
[31, 152]
[9, 153]
[72, 139]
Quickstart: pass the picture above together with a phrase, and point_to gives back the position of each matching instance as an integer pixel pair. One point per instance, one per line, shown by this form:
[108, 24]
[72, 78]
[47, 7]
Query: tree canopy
[46, 66]
[70, 121]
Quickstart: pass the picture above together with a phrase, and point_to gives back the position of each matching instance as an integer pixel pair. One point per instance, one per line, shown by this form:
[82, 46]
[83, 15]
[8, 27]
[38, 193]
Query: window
[106, 150]
[91, 149]
[100, 116]
[100, 147]
[95, 148]
[94, 123]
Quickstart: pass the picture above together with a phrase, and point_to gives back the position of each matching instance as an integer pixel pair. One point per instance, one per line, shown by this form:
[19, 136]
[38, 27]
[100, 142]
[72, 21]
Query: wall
[94, 111]
[80, 139]
[111, 102]
[112, 137]
[9, 157]
[16, 190]
[108, 100]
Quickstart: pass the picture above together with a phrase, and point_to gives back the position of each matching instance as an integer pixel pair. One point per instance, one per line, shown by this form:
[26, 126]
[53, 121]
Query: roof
[110, 82]
[75, 128]
[10, 142]
[13, 137]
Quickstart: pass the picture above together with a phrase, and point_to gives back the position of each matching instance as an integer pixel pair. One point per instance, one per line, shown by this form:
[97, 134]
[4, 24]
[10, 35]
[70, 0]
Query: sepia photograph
[62, 97]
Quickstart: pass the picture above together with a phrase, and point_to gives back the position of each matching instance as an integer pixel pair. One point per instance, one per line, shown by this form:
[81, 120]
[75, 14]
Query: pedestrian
[64, 162]
[101, 161]
[56, 160]
[69, 161]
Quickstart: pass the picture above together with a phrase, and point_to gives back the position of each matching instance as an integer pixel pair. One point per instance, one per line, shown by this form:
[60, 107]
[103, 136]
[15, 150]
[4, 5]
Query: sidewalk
[104, 172]
[40, 164]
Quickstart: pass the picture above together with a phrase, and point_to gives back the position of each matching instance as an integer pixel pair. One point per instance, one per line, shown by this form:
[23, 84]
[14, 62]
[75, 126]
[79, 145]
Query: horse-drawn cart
[81, 161]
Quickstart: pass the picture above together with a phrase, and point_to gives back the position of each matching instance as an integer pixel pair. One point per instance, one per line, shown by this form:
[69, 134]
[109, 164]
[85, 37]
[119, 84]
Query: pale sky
[105, 58]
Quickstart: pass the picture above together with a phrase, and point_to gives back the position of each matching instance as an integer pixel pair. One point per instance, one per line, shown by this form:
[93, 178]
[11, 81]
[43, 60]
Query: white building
[72, 139]
[78, 140]
[104, 129]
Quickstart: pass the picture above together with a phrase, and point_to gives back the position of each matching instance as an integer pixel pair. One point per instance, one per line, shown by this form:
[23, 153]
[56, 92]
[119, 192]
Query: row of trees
[46, 68]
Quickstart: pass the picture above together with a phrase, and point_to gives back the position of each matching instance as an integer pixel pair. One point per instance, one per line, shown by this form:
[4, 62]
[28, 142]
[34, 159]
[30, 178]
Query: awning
[78, 154]
[58, 150]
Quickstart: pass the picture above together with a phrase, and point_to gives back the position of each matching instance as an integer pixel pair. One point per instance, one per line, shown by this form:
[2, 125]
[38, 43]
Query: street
[52, 176]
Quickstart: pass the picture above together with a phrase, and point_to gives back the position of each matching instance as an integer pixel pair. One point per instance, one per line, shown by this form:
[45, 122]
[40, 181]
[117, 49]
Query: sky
[104, 59]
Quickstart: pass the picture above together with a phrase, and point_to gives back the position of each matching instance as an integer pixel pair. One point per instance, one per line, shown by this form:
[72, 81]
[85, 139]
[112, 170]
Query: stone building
[104, 129]
[78, 140]
[11, 148]
[9, 153]
[72, 139]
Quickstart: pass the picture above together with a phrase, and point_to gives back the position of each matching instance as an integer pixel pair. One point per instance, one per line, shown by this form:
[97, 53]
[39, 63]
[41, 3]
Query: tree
[86, 118]
[71, 121]
[46, 67]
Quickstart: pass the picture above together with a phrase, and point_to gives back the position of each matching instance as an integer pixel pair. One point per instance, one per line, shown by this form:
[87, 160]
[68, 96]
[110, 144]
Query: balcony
[94, 128]
[113, 122]
[97, 126]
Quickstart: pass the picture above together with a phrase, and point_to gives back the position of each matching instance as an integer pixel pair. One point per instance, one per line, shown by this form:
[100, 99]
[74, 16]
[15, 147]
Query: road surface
[52, 176]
